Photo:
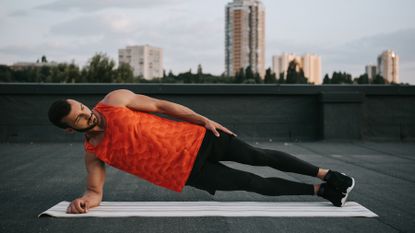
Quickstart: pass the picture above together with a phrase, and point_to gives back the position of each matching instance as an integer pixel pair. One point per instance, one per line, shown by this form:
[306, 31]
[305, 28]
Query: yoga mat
[212, 208]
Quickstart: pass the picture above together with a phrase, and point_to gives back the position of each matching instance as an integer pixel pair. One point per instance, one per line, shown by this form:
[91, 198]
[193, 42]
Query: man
[122, 132]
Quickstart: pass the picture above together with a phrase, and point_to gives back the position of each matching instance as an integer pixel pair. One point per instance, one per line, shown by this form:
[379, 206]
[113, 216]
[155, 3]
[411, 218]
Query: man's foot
[328, 192]
[340, 181]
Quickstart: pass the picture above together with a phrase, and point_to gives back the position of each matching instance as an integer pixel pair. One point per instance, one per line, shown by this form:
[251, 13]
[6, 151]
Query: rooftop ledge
[195, 89]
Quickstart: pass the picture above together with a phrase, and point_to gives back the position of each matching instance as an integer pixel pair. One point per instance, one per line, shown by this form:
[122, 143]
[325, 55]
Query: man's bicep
[145, 103]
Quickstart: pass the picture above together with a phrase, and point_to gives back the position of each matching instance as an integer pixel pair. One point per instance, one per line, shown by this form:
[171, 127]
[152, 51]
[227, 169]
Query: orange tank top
[159, 150]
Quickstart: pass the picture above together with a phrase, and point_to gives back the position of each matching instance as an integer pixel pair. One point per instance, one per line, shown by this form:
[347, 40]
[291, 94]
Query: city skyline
[347, 35]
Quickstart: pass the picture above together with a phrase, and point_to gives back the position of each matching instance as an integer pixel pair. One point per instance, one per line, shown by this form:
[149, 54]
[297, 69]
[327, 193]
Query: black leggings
[210, 175]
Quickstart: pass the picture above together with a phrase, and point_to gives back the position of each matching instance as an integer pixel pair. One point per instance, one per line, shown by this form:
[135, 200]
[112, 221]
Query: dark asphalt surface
[34, 177]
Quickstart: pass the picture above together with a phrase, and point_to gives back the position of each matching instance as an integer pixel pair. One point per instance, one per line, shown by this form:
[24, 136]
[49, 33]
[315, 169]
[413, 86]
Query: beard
[95, 123]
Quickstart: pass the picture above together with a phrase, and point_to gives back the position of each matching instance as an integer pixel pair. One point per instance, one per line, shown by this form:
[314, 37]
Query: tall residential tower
[245, 36]
[388, 66]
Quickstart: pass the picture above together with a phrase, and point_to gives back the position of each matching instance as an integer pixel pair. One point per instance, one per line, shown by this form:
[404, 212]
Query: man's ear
[70, 130]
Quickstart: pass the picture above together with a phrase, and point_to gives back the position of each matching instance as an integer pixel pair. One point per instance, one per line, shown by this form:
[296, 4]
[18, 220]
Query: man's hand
[211, 125]
[78, 206]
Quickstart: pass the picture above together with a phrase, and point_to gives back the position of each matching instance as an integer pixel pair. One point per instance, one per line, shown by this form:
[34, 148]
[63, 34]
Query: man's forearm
[182, 112]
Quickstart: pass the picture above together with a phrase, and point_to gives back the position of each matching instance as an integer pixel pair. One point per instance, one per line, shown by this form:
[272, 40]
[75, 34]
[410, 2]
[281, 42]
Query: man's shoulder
[118, 98]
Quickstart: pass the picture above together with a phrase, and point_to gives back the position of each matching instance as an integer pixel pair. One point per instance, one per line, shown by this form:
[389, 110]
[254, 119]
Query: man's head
[72, 115]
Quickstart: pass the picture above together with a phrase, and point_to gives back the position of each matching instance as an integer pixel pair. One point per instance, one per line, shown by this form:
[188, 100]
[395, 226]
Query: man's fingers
[71, 209]
[217, 134]
[78, 207]
[228, 131]
[86, 206]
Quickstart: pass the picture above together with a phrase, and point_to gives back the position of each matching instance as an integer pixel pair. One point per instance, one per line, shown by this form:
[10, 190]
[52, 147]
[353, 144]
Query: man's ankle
[322, 173]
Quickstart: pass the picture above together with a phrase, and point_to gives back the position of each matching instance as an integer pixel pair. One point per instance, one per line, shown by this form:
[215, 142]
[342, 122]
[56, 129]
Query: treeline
[102, 69]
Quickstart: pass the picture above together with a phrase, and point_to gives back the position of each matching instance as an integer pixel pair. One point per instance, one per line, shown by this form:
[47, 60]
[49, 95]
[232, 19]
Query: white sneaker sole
[344, 199]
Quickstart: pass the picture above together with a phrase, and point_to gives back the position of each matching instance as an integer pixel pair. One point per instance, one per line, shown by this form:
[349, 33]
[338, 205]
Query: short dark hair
[57, 111]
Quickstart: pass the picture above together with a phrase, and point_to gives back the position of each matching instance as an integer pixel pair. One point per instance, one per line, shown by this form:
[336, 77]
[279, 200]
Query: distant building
[146, 61]
[388, 66]
[371, 71]
[245, 36]
[311, 65]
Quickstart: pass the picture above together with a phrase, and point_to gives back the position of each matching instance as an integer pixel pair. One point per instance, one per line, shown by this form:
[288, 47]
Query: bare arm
[148, 104]
[95, 185]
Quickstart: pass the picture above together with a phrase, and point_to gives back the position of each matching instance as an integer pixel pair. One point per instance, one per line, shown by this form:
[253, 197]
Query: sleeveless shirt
[159, 150]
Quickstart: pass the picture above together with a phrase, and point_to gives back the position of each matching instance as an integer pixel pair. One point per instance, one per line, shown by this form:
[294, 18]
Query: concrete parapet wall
[254, 112]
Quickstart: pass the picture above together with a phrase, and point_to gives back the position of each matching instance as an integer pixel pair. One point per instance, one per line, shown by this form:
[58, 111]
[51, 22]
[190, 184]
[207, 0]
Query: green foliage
[338, 78]
[326, 79]
[362, 79]
[282, 80]
[379, 80]
[240, 76]
[295, 74]
[101, 69]
[124, 74]
[269, 76]
[6, 74]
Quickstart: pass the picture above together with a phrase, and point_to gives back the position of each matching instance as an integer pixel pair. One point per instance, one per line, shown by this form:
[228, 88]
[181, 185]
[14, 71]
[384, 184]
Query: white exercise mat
[212, 208]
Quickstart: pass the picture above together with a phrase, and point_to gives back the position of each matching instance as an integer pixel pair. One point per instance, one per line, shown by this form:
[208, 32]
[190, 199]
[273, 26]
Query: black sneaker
[328, 192]
[340, 181]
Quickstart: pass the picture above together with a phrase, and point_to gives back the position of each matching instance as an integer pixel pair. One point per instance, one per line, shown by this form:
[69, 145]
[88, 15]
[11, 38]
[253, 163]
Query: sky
[348, 35]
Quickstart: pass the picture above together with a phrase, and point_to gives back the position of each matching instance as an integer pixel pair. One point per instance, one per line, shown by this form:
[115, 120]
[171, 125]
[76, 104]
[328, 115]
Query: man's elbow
[162, 106]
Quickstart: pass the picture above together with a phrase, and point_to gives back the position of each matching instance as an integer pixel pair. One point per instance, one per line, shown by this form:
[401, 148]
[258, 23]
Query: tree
[248, 73]
[43, 73]
[73, 73]
[282, 78]
[378, 80]
[43, 59]
[295, 73]
[6, 74]
[341, 77]
[124, 73]
[362, 79]
[326, 79]
[292, 72]
[100, 68]
[199, 70]
[240, 76]
[269, 76]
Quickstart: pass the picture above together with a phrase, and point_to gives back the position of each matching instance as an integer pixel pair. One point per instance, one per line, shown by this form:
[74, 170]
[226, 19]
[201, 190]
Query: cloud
[95, 5]
[367, 49]
[19, 13]
[353, 56]
[94, 25]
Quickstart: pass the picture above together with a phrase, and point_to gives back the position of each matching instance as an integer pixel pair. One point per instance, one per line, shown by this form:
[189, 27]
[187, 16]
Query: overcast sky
[346, 34]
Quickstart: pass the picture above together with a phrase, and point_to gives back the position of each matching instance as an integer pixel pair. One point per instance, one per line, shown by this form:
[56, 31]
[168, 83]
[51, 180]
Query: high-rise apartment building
[388, 66]
[146, 61]
[311, 65]
[371, 71]
[245, 36]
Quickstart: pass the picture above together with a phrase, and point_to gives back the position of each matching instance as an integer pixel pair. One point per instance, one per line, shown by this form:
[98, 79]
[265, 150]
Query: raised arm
[95, 186]
[144, 103]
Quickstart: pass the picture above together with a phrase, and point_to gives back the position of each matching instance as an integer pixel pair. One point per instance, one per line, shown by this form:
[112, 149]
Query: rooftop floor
[34, 177]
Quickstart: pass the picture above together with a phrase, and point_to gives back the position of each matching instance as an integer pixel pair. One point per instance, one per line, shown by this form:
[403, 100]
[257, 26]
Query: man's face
[80, 118]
